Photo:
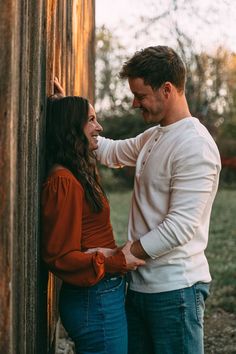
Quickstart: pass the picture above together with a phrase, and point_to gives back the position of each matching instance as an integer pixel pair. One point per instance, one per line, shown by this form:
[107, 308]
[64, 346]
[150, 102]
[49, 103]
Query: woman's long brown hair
[67, 145]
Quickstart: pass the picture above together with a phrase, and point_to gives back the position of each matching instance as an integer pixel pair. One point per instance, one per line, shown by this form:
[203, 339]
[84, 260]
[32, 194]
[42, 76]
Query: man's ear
[167, 88]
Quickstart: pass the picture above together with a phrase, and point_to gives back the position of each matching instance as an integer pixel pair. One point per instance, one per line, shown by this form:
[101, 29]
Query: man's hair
[156, 65]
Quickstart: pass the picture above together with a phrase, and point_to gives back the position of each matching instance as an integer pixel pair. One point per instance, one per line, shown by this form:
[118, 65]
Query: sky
[209, 23]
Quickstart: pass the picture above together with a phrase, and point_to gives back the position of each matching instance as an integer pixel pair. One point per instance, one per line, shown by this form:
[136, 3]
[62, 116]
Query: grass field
[221, 251]
[220, 319]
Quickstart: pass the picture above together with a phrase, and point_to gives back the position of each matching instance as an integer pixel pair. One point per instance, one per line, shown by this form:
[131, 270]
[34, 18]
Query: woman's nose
[99, 127]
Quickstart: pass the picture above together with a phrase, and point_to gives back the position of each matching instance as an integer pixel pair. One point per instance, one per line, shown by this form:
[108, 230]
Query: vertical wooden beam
[83, 44]
[8, 136]
[51, 59]
[22, 98]
[37, 42]
[27, 278]
[70, 57]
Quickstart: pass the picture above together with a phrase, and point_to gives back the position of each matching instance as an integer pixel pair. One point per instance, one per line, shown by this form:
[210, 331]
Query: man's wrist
[138, 251]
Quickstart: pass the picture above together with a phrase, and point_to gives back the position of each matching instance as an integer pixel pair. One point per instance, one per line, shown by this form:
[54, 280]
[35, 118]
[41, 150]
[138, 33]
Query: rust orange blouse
[70, 228]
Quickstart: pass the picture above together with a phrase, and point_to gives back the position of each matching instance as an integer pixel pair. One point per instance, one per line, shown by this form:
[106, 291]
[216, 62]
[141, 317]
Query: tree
[211, 74]
[110, 98]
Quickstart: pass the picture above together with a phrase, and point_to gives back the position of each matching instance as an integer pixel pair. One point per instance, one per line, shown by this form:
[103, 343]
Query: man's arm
[120, 153]
[195, 173]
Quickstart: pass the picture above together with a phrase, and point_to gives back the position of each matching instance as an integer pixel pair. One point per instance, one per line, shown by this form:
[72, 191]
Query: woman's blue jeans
[94, 317]
[166, 323]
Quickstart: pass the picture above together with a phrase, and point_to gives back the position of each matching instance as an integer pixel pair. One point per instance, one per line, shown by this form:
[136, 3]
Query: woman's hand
[58, 89]
[107, 252]
[131, 261]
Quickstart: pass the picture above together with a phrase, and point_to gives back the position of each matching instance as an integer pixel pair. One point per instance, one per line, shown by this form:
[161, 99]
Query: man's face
[151, 102]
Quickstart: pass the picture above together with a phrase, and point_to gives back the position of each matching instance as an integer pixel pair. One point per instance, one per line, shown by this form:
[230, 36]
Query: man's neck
[177, 111]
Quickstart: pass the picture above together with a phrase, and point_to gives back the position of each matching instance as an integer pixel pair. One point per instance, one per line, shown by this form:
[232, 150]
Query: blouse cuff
[116, 263]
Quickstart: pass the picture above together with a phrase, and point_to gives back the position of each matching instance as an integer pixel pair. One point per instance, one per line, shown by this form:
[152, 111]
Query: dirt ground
[220, 333]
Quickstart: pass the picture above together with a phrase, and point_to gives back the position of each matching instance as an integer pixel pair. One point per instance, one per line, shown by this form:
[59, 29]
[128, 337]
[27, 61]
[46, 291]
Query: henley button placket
[149, 150]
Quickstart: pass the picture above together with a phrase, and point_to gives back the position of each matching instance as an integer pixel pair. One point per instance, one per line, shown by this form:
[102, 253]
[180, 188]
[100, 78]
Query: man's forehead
[138, 86]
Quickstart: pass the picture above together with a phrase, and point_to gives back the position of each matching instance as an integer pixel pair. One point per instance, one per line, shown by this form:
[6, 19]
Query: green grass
[221, 251]
[120, 204]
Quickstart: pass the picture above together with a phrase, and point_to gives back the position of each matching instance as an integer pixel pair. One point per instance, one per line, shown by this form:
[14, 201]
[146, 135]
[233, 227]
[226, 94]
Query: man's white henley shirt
[176, 180]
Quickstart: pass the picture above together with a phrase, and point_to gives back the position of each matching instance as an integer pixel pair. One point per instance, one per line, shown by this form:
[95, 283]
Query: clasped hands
[132, 262]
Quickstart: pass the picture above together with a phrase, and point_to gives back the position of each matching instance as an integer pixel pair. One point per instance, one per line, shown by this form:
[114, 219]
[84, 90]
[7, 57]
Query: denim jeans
[94, 317]
[168, 322]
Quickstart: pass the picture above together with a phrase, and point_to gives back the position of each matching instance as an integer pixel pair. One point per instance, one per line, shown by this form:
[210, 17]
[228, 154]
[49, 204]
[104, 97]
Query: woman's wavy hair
[67, 145]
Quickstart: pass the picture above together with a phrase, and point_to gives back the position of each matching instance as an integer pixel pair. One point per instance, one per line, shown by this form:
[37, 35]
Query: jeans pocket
[111, 285]
[201, 291]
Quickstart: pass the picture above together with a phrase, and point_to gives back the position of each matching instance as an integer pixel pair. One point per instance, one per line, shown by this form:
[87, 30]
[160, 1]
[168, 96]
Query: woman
[76, 217]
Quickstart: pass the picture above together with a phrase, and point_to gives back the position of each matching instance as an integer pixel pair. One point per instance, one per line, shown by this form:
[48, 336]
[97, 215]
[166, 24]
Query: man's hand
[131, 261]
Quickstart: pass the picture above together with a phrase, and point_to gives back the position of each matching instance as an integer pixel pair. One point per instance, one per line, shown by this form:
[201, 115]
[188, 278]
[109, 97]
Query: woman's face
[92, 129]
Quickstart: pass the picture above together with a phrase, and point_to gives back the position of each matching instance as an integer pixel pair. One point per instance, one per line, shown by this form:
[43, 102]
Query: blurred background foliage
[210, 90]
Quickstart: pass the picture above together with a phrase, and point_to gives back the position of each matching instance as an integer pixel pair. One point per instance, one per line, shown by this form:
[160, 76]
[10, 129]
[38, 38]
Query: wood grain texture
[39, 39]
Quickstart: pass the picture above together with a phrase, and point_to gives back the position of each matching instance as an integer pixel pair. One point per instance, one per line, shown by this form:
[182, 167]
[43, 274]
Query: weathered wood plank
[37, 42]
[8, 103]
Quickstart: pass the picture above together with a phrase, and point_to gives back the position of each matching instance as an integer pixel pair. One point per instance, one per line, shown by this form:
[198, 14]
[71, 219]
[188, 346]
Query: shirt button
[156, 139]
[149, 150]
[143, 162]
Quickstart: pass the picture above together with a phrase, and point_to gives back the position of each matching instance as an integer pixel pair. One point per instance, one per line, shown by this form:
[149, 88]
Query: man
[176, 179]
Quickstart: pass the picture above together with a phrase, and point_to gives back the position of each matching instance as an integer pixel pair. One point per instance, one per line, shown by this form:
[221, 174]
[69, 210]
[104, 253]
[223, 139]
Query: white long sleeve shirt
[176, 180]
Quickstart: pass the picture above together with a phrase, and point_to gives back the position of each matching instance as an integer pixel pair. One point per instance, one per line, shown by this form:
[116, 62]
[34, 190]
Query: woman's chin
[93, 147]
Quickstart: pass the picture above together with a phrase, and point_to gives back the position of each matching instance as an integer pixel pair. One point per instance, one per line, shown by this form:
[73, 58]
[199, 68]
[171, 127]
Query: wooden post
[39, 39]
